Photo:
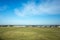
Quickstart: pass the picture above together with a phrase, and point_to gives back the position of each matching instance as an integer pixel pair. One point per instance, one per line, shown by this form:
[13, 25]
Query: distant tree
[27, 25]
[50, 26]
[56, 26]
[34, 25]
[11, 25]
[4, 25]
[45, 26]
[0, 25]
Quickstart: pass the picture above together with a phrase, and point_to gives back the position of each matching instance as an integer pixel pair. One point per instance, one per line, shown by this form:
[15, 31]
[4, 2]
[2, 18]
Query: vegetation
[29, 33]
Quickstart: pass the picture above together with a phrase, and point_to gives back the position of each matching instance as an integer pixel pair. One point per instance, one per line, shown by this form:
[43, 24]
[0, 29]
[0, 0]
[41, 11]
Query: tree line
[30, 25]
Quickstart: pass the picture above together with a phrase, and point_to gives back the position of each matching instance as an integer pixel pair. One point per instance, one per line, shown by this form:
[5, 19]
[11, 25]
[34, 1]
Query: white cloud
[48, 7]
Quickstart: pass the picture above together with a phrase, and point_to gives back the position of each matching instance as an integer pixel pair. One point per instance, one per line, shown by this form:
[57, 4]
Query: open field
[29, 33]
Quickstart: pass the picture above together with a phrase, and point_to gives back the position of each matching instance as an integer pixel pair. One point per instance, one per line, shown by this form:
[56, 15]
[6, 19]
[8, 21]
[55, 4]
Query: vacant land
[13, 33]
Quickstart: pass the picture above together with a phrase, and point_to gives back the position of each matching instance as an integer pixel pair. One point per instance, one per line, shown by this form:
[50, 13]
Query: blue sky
[29, 12]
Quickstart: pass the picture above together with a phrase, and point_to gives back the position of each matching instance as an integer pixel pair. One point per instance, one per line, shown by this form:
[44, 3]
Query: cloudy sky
[30, 12]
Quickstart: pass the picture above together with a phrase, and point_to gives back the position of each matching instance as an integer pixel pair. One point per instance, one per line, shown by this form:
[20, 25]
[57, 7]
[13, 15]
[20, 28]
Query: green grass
[14, 33]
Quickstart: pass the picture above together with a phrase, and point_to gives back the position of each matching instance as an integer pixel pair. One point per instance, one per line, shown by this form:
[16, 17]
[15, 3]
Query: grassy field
[13, 33]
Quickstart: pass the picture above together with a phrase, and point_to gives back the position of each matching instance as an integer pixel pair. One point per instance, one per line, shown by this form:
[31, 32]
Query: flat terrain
[29, 33]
